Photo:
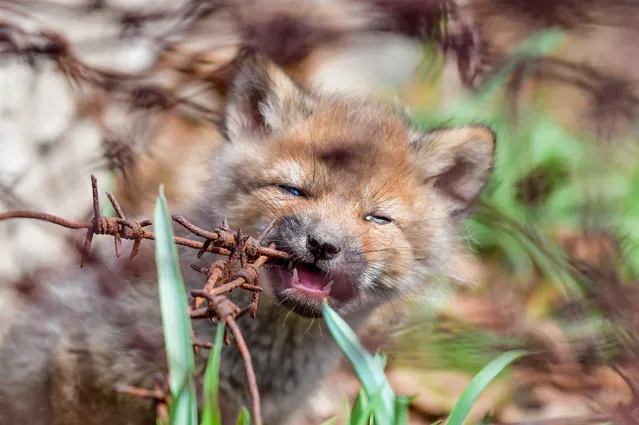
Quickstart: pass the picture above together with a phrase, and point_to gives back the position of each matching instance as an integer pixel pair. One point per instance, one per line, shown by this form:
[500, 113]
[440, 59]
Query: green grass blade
[479, 383]
[330, 421]
[175, 318]
[347, 412]
[211, 409]
[244, 417]
[401, 409]
[367, 415]
[368, 370]
[358, 408]
[381, 359]
[179, 408]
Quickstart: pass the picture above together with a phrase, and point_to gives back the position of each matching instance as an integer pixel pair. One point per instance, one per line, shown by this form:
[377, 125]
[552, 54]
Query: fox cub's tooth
[295, 277]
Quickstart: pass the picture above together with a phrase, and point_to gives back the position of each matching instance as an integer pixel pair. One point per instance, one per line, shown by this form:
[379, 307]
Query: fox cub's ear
[263, 99]
[456, 161]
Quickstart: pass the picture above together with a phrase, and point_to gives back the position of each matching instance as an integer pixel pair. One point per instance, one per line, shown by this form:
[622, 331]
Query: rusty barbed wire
[159, 394]
[287, 37]
[221, 277]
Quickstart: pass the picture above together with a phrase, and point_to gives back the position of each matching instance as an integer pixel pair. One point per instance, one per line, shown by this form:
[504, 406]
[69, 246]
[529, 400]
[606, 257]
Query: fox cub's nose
[322, 248]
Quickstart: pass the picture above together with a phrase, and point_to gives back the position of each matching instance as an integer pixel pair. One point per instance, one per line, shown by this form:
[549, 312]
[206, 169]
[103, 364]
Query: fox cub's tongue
[310, 279]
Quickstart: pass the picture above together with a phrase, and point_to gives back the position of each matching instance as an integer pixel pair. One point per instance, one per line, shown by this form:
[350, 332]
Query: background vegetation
[552, 252]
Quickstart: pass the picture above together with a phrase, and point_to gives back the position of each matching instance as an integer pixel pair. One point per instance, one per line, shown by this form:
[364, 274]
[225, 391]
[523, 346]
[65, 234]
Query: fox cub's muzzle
[324, 263]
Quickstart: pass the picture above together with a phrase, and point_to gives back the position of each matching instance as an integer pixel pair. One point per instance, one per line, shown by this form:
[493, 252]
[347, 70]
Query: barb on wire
[221, 241]
[221, 276]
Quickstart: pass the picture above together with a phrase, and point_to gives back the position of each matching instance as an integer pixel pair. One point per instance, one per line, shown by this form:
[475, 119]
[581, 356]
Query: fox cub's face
[366, 207]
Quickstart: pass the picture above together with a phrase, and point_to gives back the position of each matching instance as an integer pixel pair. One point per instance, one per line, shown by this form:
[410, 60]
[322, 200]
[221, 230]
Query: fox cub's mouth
[302, 286]
[308, 279]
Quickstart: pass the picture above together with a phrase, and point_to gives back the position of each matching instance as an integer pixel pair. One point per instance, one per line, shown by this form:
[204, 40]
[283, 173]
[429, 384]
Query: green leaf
[211, 409]
[368, 370]
[347, 412]
[479, 383]
[542, 43]
[401, 409]
[330, 421]
[381, 359]
[176, 322]
[358, 408]
[367, 415]
[244, 417]
[179, 408]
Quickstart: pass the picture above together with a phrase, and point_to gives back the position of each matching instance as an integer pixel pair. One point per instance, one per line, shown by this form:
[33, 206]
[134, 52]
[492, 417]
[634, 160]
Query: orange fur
[367, 209]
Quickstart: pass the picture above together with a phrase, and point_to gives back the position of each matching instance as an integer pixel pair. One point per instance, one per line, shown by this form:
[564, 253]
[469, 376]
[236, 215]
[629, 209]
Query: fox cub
[367, 208]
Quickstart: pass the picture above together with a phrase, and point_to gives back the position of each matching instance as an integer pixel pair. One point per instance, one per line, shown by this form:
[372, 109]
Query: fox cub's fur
[367, 208]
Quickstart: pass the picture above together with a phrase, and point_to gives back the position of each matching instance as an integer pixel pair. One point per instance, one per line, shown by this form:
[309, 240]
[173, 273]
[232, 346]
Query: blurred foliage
[453, 345]
[552, 181]
[376, 402]
[484, 377]
[544, 179]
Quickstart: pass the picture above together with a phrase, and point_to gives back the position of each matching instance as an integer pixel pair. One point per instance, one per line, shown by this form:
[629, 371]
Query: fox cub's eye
[292, 190]
[378, 219]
